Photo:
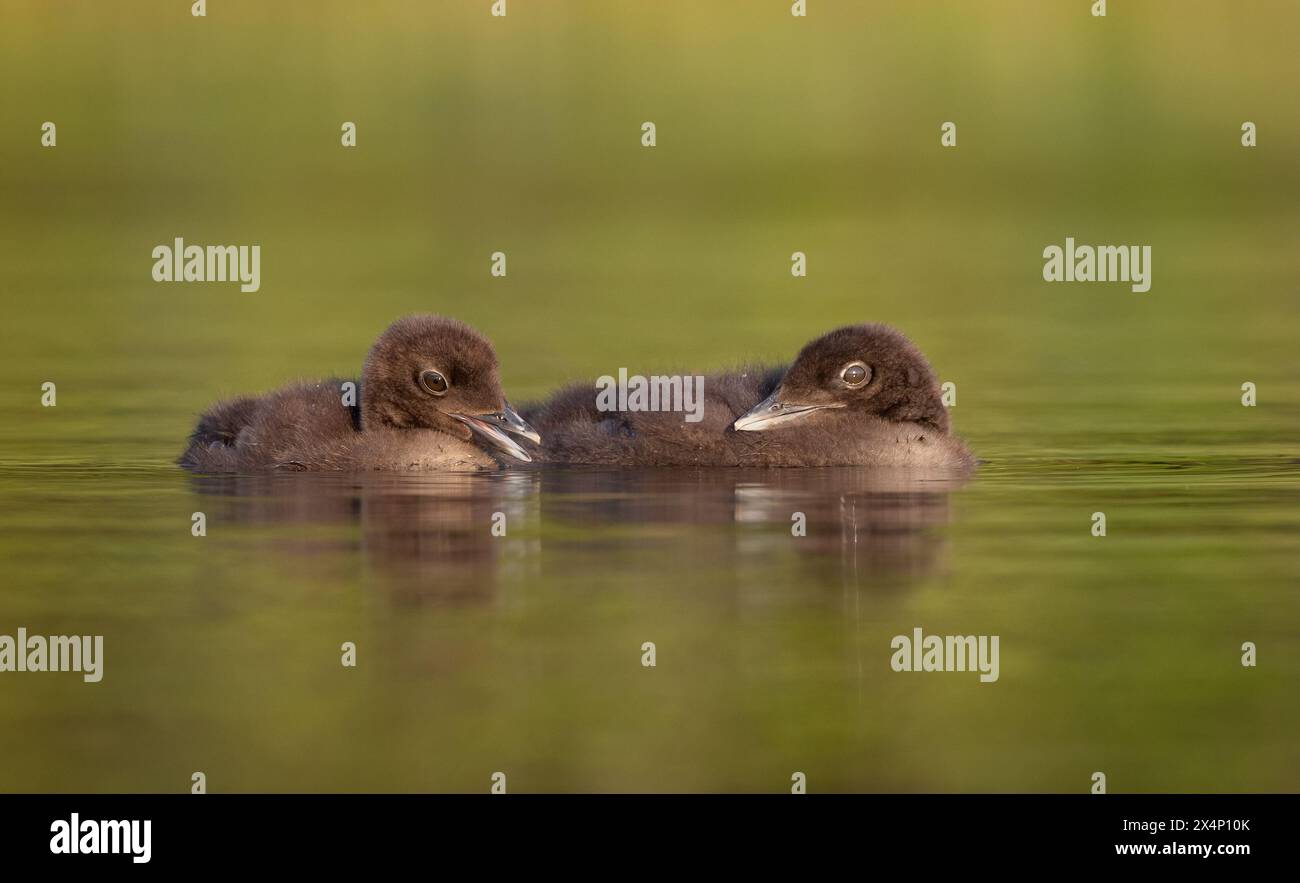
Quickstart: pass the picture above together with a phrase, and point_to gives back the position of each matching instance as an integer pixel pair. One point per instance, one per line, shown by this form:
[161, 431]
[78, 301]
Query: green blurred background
[775, 134]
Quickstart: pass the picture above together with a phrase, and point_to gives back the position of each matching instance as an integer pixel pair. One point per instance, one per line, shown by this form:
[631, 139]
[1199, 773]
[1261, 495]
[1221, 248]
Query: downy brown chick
[862, 395]
[430, 389]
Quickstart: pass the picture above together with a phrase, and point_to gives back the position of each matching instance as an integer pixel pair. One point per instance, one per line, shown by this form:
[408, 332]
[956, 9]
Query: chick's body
[888, 413]
[429, 389]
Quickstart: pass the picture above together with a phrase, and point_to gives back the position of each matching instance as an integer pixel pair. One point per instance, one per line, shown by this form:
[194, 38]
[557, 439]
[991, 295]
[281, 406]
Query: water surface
[522, 653]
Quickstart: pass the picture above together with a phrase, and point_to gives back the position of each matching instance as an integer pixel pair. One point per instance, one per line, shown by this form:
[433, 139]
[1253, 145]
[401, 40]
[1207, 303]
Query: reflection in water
[420, 537]
[861, 525]
[430, 537]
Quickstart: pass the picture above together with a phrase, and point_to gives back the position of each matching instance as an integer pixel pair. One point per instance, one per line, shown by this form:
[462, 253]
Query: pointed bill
[772, 412]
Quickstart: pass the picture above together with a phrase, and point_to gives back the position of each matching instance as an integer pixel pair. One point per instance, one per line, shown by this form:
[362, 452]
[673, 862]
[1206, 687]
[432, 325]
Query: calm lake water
[522, 654]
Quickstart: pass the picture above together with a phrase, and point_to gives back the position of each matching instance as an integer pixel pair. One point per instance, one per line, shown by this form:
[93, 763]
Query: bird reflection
[420, 538]
[430, 538]
[844, 526]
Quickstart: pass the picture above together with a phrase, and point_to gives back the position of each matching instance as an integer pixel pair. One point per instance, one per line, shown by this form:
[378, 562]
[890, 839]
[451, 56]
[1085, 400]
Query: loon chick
[429, 387]
[862, 395]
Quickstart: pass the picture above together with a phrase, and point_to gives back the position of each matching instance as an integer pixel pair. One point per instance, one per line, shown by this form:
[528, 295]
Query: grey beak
[772, 412]
[516, 424]
[494, 426]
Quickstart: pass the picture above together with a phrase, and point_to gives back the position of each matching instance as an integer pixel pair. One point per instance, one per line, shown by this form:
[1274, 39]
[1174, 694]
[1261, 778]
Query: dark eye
[855, 375]
[433, 382]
